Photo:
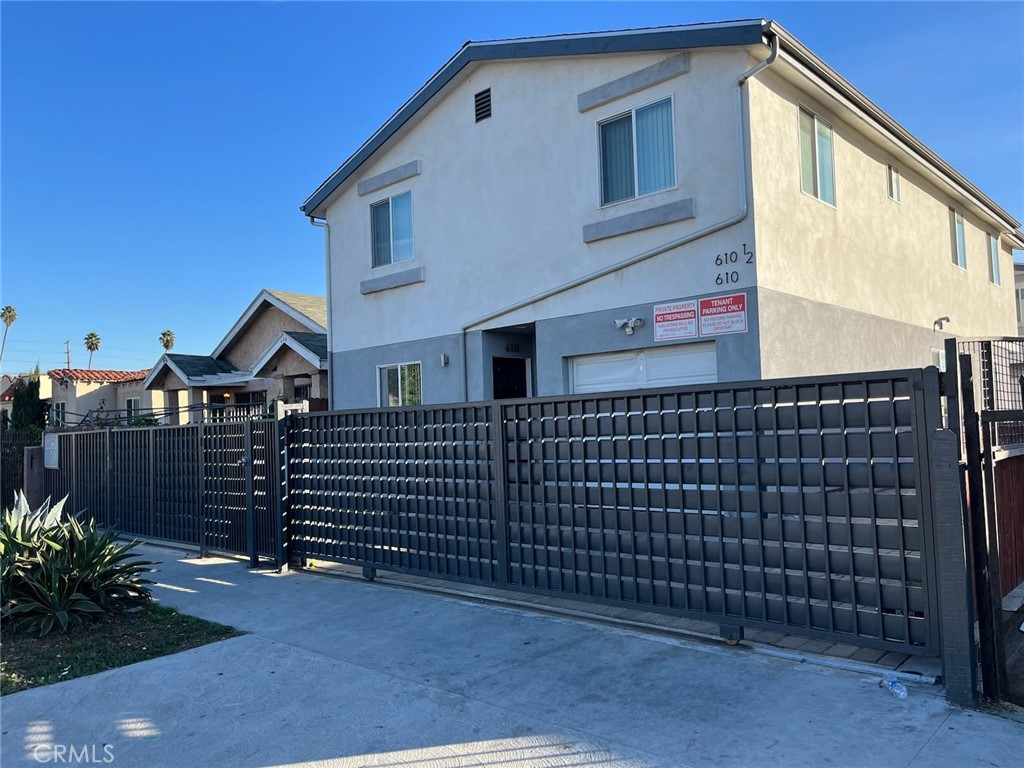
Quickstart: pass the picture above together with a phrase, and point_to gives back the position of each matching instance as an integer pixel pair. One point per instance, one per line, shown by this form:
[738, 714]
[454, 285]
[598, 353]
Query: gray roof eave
[665, 39]
[808, 59]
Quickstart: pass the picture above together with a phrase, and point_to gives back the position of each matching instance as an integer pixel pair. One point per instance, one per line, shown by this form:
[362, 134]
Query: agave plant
[61, 572]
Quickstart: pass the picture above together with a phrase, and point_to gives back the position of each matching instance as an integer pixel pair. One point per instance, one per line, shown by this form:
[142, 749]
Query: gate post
[500, 480]
[201, 507]
[282, 488]
[988, 614]
[956, 606]
[108, 491]
[250, 501]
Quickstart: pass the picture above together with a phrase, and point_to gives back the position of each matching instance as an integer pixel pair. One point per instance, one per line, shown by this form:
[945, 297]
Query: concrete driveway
[346, 673]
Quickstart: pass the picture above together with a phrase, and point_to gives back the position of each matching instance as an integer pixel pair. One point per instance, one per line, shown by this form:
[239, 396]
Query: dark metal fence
[215, 486]
[800, 505]
[13, 443]
[999, 381]
[409, 490]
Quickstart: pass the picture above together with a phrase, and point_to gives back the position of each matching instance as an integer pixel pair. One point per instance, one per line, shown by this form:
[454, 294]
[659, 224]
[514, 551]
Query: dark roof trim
[631, 41]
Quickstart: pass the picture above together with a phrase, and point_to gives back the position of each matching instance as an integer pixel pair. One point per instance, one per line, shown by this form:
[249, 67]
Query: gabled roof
[312, 347]
[731, 33]
[746, 32]
[196, 370]
[316, 343]
[310, 311]
[95, 376]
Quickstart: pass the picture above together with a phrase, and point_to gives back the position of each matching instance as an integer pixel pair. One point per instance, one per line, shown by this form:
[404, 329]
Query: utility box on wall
[51, 451]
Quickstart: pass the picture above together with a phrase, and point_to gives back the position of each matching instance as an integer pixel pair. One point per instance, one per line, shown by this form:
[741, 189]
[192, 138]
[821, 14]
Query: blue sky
[154, 155]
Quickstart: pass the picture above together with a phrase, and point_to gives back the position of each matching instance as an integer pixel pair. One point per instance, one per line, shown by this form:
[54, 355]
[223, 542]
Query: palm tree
[167, 340]
[8, 314]
[92, 343]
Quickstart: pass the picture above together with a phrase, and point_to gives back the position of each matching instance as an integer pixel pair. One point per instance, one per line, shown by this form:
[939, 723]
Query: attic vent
[482, 102]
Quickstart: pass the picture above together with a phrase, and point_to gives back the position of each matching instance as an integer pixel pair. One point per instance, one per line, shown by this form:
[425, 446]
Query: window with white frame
[391, 229]
[59, 412]
[637, 153]
[993, 259]
[131, 407]
[400, 385]
[1020, 305]
[893, 183]
[957, 239]
[817, 164]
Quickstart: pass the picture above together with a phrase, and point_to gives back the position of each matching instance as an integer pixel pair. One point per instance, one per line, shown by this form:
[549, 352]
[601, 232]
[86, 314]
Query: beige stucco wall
[499, 207]
[826, 339]
[81, 397]
[264, 328]
[867, 254]
[148, 399]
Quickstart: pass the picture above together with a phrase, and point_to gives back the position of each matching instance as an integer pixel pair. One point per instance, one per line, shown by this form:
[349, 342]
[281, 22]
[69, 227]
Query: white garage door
[645, 368]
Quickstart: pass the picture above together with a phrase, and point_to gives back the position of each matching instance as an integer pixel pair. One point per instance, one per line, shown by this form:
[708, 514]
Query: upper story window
[1020, 305]
[400, 385]
[956, 236]
[391, 229]
[993, 259]
[893, 177]
[59, 409]
[131, 407]
[637, 153]
[817, 165]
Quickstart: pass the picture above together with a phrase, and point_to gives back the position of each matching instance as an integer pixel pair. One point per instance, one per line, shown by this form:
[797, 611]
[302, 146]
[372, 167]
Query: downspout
[330, 309]
[739, 216]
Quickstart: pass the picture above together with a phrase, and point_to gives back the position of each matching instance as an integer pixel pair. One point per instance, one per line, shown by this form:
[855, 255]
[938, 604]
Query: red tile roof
[81, 374]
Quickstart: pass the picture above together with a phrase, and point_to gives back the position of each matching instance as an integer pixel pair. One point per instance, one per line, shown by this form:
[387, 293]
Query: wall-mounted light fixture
[937, 325]
[629, 324]
[444, 360]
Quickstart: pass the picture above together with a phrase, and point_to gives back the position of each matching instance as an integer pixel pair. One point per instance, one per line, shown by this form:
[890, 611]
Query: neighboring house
[9, 383]
[1018, 286]
[277, 350]
[651, 207]
[82, 396]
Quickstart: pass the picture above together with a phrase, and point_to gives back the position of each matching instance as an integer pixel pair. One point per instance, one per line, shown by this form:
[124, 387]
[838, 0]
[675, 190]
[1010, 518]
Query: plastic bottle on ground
[894, 686]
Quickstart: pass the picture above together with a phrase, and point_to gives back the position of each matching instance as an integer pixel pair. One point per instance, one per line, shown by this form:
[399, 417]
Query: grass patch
[27, 661]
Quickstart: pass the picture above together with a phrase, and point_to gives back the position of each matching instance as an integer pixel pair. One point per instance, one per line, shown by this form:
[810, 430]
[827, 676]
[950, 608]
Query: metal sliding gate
[800, 505]
[213, 486]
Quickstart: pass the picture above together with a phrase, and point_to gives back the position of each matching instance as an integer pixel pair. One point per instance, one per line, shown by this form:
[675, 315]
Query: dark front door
[509, 377]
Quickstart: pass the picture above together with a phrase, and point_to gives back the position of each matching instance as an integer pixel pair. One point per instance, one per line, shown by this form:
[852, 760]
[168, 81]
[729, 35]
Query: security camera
[629, 324]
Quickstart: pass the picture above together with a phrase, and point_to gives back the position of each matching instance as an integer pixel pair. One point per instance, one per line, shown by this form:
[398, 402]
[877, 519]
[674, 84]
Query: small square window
[894, 183]
[391, 229]
[817, 164]
[400, 385]
[958, 243]
[637, 153]
[993, 259]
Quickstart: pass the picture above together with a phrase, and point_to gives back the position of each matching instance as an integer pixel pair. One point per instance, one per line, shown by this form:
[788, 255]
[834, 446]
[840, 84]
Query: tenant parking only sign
[723, 314]
[677, 320]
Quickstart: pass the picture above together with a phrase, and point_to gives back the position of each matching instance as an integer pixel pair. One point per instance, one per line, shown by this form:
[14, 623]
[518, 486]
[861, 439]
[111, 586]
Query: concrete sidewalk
[343, 673]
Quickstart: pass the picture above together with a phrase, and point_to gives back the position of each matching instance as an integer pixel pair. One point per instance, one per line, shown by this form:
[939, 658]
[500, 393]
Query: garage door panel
[645, 368]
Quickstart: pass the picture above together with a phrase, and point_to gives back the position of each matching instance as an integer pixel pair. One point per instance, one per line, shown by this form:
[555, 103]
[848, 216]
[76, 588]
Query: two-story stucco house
[1018, 285]
[642, 208]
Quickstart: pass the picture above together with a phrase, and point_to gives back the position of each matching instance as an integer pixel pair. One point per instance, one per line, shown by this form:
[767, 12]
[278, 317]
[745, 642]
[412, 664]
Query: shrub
[61, 572]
